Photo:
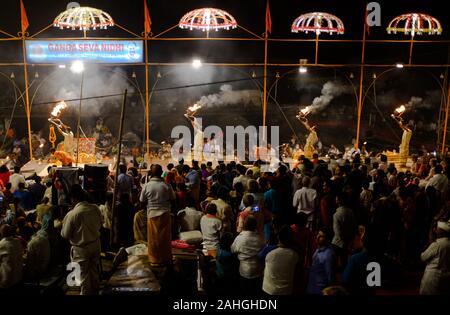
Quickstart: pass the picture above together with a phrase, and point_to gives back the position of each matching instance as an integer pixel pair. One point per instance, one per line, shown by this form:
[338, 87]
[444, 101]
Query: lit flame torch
[194, 108]
[400, 110]
[58, 108]
[304, 112]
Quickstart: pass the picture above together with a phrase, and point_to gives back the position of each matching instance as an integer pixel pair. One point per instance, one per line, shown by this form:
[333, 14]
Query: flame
[194, 108]
[58, 108]
[305, 111]
[400, 110]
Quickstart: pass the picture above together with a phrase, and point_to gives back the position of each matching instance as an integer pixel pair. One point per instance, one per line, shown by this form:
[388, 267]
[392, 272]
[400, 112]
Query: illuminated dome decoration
[83, 18]
[207, 19]
[415, 23]
[318, 22]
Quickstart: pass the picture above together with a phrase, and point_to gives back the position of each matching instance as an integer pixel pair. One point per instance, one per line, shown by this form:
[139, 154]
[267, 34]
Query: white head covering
[444, 225]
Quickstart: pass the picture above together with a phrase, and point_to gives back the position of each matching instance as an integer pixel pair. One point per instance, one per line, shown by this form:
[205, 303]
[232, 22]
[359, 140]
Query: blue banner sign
[95, 51]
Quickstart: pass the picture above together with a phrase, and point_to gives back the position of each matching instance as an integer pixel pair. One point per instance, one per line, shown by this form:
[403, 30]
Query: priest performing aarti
[198, 132]
[64, 130]
[312, 138]
[406, 137]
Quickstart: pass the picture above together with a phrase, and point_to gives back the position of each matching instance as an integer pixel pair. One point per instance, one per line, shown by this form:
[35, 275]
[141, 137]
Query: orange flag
[268, 19]
[24, 18]
[147, 21]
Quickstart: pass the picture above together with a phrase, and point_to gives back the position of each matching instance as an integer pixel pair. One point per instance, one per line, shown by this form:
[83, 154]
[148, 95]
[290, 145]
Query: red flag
[268, 19]
[24, 18]
[147, 21]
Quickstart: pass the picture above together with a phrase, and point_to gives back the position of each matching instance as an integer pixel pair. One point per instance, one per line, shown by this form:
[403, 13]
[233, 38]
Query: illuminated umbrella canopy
[318, 22]
[207, 19]
[83, 18]
[415, 23]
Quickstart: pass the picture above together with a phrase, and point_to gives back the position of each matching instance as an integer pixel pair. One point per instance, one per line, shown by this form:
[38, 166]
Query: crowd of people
[309, 228]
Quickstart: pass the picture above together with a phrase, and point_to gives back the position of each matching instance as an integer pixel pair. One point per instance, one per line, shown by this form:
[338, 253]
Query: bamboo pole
[79, 118]
[361, 80]
[27, 94]
[317, 49]
[42, 30]
[265, 86]
[7, 34]
[411, 50]
[127, 30]
[266, 37]
[147, 102]
[444, 137]
[119, 151]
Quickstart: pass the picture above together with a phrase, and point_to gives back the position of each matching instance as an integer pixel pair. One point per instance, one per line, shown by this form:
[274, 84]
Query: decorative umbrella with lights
[318, 22]
[207, 19]
[83, 18]
[412, 24]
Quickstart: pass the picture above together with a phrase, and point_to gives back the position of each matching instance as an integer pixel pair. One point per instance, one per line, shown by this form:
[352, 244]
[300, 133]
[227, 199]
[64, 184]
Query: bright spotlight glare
[399, 65]
[196, 63]
[62, 66]
[303, 70]
[77, 66]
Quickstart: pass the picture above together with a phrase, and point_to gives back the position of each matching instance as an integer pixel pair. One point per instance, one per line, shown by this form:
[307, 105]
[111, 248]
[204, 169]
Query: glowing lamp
[83, 18]
[207, 19]
[318, 22]
[400, 110]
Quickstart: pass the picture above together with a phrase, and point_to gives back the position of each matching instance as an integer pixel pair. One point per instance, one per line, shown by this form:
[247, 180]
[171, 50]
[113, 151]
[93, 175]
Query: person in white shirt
[11, 258]
[436, 278]
[306, 200]
[247, 246]
[81, 226]
[207, 149]
[211, 228]
[280, 266]
[439, 181]
[159, 197]
[189, 217]
[15, 179]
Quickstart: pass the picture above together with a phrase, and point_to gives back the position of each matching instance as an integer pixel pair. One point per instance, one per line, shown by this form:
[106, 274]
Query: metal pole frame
[255, 37]
[27, 96]
[79, 118]
[119, 151]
